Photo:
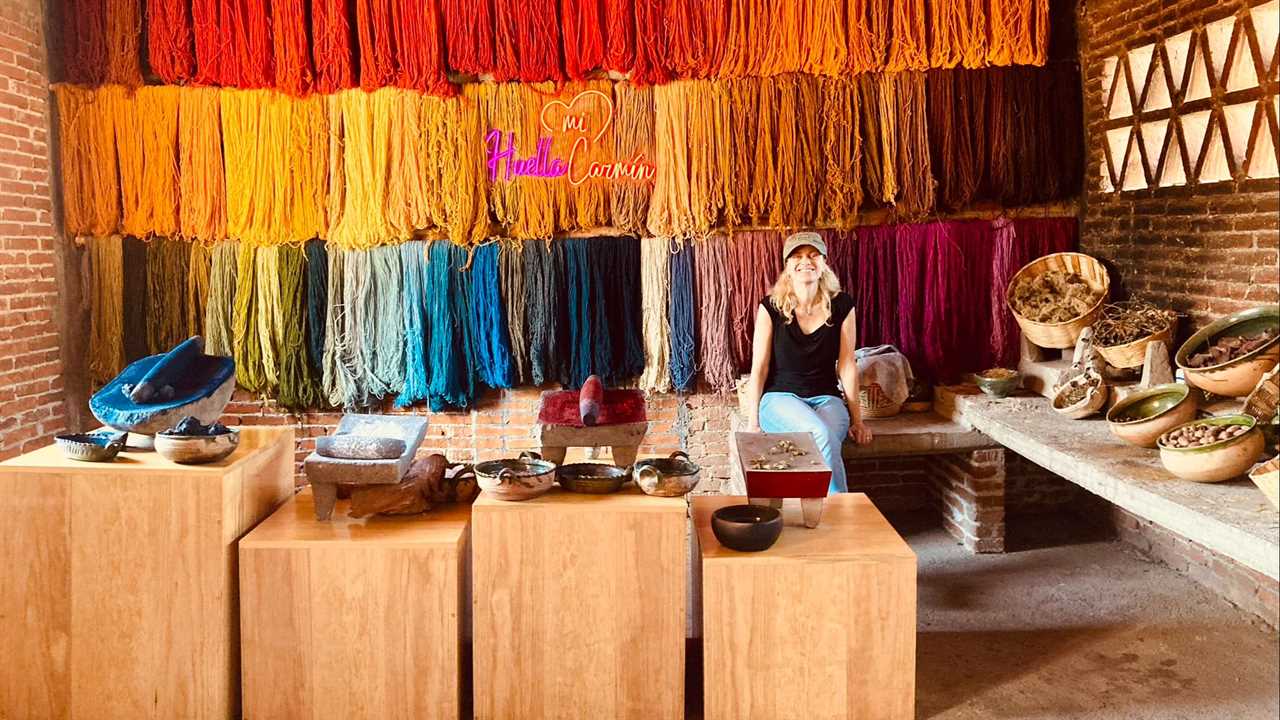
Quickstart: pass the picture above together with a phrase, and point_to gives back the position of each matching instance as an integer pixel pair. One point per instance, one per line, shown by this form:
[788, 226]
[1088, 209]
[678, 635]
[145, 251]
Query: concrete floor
[1082, 630]
[1072, 625]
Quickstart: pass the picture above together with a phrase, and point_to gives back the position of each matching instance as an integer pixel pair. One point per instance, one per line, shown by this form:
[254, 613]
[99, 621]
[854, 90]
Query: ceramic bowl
[524, 478]
[666, 477]
[746, 528]
[591, 478]
[1093, 401]
[1215, 462]
[1235, 378]
[998, 386]
[196, 449]
[91, 447]
[1142, 417]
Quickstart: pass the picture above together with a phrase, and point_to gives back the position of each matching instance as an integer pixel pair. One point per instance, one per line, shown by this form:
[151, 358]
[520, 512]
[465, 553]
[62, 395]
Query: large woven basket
[1061, 335]
[1134, 354]
[875, 404]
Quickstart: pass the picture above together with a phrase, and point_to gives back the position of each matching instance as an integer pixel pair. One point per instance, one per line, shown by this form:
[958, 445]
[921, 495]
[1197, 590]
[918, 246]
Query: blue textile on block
[112, 406]
[169, 370]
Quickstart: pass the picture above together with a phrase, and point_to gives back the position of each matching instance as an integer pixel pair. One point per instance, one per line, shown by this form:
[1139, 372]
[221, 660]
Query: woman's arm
[847, 367]
[761, 347]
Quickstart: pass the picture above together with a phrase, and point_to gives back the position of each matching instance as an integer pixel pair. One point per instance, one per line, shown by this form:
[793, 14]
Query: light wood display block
[118, 595]
[353, 618]
[821, 625]
[579, 606]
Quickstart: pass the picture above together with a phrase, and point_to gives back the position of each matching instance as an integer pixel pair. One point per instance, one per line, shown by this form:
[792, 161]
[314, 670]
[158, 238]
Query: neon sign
[505, 163]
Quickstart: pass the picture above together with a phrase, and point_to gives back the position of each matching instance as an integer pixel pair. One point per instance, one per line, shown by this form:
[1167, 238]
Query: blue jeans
[825, 417]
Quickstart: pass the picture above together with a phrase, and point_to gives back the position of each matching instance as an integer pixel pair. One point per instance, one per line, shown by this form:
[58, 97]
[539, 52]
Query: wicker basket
[875, 404]
[1134, 354]
[1061, 335]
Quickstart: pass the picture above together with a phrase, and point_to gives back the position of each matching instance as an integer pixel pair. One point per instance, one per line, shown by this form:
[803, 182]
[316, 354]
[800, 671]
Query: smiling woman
[802, 356]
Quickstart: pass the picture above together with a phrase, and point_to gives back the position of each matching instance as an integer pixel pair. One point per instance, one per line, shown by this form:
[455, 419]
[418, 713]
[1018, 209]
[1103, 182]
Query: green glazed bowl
[1215, 462]
[1234, 378]
[1144, 416]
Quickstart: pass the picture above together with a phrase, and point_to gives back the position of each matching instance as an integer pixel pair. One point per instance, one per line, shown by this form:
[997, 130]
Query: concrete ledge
[924, 433]
[1232, 519]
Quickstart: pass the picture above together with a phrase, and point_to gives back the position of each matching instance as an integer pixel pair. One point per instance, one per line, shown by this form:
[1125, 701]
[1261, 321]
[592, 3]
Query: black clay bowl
[746, 528]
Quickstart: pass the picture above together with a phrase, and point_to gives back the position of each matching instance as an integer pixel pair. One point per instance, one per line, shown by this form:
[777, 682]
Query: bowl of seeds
[1212, 450]
[1081, 396]
[1228, 356]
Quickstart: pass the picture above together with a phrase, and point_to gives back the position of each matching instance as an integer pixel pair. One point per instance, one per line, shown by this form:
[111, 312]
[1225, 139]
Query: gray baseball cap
[803, 238]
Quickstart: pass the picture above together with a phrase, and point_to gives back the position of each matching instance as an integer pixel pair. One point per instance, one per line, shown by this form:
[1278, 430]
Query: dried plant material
[1054, 297]
[1124, 322]
[1226, 349]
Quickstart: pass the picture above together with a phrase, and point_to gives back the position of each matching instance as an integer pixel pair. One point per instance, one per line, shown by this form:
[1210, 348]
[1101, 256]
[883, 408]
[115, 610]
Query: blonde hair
[783, 294]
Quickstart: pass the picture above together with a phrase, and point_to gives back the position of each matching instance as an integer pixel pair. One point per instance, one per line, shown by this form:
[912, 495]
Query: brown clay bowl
[1215, 462]
[196, 449]
[1142, 417]
[746, 528]
[1234, 378]
[1093, 401]
[591, 478]
[524, 478]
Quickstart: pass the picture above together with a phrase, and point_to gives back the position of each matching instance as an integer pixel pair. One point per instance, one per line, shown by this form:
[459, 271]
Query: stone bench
[1232, 519]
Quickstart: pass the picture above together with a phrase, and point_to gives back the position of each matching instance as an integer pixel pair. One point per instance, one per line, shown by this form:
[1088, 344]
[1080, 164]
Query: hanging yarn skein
[711, 290]
[219, 318]
[754, 261]
[680, 312]
[170, 48]
[136, 288]
[197, 298]
[292, 55]
[331, 51]
[655, 290]
[511, 277]
[416, 329]
[202, 187]
[298, 385]
[85, 59]
[487, 319]
[167, 269]
[419, 43]
[317, 301]
[451, 382]
[545, 311]
[383, 328]
[633, 138]
[106, 309]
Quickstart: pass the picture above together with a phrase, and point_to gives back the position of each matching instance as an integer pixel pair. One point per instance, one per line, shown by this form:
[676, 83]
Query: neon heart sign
[504, 160]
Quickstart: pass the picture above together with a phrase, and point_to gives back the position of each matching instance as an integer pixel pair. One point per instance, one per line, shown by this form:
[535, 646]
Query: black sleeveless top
[806, 364]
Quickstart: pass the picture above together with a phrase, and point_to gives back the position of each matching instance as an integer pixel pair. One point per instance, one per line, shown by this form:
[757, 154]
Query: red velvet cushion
[620, 406]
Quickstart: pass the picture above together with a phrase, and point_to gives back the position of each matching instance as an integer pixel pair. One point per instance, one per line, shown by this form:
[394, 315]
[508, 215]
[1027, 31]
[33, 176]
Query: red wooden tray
[807, 476]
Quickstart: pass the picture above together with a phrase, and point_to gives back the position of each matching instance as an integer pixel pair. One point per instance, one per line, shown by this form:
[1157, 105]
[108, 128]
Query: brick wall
[32, 408]
[1203, 250]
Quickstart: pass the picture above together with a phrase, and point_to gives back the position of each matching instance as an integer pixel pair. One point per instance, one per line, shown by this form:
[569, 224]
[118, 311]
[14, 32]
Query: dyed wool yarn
[957, 33]
[202, 187]
[464, 172]
[331, 51]
[106, 308]
[84, 23]
[291, 54]
[128, 123]
[867, 33]
[267, 314]
[170, 51]
[907, 44]
[546, 311]
[649, 67]
[798, 152]
[615, 285]
[912, 243]
[219, 321]
[913, 174]
[167, 266]
[124, 37]
[207, 37]
[350, 278]
[299, 387]
[828, 52]
[486, 318]
[753, 261]
[449, 353]
[136, 288]
[841, 186]
[339, 377]
[876, 290]
[842, 258]
[620, 35]
[696, 33]
[655, 292]
[246, 343]
[383, 328]
[317, 301]
[582, 23]
[198, 267]
[468, 32]
[246, 26]
[306, 168]
[958, 273]
[526, 40]
[157, 105]
[711, 295]
[419, 43]
[957, 134]
[871, 132]
[365, 142]
[511, 276]
[633, 138]
[680, 315]
[413, 265]
[375, 36]
[90, 181]
[577, 278]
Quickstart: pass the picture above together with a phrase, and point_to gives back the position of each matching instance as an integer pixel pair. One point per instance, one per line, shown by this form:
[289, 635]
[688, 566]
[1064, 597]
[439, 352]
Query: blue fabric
[111, 406]
[824, 416]
[171, 368]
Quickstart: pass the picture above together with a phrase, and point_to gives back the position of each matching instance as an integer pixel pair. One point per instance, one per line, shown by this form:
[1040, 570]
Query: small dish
[591, 478]
[1216, 461]
[998, 382]
[746, 528]
[91, 447]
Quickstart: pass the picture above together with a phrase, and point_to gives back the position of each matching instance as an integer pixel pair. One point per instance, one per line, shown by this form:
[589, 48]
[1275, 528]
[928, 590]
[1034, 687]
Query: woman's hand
[860, 433]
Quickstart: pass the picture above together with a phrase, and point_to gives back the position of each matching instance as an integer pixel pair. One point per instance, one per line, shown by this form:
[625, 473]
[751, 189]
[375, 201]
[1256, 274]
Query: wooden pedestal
[118, 598]
[352, 618]
[821, 625]
[579, 606]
